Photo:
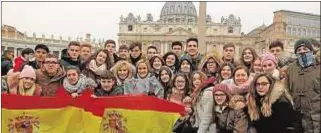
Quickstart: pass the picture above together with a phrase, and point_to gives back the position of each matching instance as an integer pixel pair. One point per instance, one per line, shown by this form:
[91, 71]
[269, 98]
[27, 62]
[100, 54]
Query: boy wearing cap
[304, 84]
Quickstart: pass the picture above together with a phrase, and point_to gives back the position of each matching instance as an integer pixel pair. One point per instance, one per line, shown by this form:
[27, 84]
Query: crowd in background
[268, 93]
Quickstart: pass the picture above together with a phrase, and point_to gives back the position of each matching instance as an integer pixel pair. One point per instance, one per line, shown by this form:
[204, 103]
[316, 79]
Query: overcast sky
[101, 18]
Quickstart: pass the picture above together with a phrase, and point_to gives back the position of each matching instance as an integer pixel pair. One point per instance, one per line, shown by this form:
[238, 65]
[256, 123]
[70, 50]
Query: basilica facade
[178, 21]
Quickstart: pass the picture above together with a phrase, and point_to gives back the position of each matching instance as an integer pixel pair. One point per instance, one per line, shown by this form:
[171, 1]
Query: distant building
[178, 21]
[14, 40]
[290, 26]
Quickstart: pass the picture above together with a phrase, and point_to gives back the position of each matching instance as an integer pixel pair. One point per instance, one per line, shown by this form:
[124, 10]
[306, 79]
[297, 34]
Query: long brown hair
[253, 52]
[196, 93]
[253, 96]
[107, 60]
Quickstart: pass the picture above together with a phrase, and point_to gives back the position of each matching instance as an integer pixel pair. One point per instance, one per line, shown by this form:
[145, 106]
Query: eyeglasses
[50, 62]
[262, 84]
[219, 95]
[211, 63]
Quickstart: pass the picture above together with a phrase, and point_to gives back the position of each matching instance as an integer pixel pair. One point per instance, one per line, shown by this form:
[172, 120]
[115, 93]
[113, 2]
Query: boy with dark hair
[177, 48]
[108, 86]
[110, 45]
[277, 49]
[151, 51]
[229, 53]
[136, 52]
[192, 52]
[27, 55]
[73, 55]
[41, 51]
[123, 52]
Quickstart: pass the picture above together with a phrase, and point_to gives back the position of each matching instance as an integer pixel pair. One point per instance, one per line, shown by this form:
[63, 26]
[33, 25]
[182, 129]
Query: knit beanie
[28, 71]
[303, 42]
[268, 56]
[221, 87]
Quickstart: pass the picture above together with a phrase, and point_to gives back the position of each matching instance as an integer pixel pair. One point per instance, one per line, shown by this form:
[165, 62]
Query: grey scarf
[80, 86]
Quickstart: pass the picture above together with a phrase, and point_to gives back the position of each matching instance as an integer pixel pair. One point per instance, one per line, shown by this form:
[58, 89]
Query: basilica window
[288, 31]
[170, 29]
[189, 29]
[190, 20]
[293, 31]
[145, 29]
[304, 32]
[230, 30]
[177, 20]
[130, 27]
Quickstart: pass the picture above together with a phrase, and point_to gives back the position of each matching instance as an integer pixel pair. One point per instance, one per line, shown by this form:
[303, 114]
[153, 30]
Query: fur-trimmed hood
[208, 56]
[279, 89]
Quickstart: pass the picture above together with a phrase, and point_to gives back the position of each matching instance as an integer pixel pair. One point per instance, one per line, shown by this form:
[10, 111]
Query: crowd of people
[268, 93]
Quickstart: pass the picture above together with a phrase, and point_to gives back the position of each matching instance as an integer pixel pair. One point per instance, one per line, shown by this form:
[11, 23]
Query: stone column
[201, 27]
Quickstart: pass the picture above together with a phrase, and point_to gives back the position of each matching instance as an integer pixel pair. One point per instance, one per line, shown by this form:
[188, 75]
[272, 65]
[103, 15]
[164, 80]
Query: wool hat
[269, 56]
[303, 42]
[221, 87]
[28, 71]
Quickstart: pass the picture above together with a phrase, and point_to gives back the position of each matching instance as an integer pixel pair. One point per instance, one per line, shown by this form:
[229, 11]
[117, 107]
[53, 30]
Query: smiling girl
[248, 57]
[156, 62]
[75, 82]
[26, 84]
[100, 63]
[144, 82]
[165, 77]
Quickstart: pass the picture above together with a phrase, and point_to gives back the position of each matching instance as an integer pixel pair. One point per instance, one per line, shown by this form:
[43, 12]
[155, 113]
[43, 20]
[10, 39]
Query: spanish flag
[121, 114]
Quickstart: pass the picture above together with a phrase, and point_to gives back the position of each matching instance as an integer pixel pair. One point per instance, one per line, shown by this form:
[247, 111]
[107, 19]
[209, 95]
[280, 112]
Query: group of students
[270, 93]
